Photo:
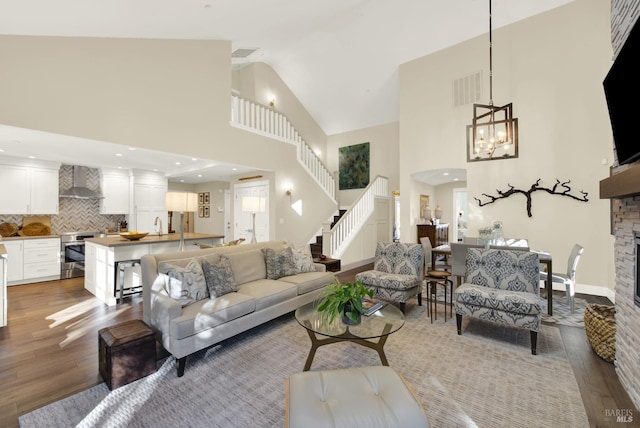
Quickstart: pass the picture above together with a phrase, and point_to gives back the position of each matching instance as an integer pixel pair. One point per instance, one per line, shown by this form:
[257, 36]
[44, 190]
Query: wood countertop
[117, 241]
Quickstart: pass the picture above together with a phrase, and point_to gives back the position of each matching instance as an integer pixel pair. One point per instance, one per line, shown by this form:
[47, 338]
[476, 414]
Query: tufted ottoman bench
[364, 396]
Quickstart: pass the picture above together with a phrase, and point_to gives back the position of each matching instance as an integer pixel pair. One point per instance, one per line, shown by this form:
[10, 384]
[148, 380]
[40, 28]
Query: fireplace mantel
[623, 184]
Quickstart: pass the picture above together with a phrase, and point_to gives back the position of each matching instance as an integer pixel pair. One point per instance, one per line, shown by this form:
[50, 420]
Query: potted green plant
[344, 299]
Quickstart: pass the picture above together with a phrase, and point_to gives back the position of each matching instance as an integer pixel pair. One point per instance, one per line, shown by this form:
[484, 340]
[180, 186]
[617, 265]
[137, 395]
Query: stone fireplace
[623, 188]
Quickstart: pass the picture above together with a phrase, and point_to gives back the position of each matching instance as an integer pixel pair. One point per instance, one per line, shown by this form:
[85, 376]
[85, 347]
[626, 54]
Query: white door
[244, 219]
[227, 216]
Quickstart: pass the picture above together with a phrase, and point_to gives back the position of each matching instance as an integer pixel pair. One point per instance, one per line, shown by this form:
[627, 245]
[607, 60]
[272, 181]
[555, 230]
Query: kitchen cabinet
[3, 286]
[41, 259]
[438, 233]
[15, 264]
[44, 191]
[115, 188]
[32, 260]
[149, 193]
[28, 189]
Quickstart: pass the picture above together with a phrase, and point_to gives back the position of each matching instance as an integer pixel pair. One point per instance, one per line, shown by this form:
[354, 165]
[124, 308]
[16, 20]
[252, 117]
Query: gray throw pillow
[185, 284]
[279, 262]
[219, 277]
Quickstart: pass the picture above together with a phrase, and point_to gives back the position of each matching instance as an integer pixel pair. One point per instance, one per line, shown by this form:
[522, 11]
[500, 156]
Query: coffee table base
[376, 346]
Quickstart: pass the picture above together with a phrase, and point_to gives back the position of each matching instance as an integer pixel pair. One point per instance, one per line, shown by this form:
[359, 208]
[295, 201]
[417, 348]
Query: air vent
[467, 90]
[242, 53]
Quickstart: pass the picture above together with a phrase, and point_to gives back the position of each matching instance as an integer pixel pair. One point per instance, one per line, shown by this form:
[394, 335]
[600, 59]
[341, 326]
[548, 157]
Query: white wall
[551, 67]
[383, 160]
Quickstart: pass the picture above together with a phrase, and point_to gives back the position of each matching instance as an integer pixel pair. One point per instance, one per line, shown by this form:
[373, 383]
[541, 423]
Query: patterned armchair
[397, 272]
[501, 286]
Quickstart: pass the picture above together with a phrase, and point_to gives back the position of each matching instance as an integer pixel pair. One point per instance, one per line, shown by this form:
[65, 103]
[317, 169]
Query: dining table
[545, 259]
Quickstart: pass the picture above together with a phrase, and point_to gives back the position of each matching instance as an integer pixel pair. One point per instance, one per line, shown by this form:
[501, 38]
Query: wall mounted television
[622, 92]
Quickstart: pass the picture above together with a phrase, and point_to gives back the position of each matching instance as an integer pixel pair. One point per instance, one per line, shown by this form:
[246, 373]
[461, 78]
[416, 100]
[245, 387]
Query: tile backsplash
[76, 215]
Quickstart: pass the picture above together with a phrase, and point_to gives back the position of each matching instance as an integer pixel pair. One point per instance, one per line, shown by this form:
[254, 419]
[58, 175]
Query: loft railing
[335, 240]
[270, 123]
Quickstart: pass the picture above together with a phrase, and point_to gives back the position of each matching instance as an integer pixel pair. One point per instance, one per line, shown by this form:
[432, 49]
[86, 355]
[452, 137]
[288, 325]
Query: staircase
[316, 247]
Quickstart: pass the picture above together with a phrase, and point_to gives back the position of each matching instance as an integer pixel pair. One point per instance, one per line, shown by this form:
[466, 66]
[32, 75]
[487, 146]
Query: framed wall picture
[206, 198]
[201, 198]
[206, 211]
[424, 207]
[353, 168]
[201, 211]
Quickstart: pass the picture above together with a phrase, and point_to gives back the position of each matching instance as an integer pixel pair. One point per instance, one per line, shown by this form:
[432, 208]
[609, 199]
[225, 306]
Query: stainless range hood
[79, 189]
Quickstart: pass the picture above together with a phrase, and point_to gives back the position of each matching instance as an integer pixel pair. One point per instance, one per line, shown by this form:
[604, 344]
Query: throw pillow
[186, 284]
[279, 262]
[302, 259]
[219, 277]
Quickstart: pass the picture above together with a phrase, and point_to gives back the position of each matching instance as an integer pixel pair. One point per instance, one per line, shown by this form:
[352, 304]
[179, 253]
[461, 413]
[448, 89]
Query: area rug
[486, 377]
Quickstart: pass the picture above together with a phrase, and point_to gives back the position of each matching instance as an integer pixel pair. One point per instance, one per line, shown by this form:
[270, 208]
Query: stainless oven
[72, 253]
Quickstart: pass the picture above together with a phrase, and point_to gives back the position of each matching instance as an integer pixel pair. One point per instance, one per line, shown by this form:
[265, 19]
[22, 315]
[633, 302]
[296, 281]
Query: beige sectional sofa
[188, 321]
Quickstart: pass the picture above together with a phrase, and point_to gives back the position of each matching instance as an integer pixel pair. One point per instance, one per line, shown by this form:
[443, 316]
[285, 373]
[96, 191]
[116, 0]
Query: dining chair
[434, 276]
[568, 279]
[459, 257]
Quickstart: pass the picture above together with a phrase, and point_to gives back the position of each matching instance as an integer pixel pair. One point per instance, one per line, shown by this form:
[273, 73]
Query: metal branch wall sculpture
[560, 188]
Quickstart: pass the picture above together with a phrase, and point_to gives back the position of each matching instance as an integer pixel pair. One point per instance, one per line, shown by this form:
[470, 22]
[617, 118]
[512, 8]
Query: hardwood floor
[49, 350]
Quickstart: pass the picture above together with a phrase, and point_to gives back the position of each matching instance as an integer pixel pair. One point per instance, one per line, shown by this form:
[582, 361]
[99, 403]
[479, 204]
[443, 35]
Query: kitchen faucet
[158, 219]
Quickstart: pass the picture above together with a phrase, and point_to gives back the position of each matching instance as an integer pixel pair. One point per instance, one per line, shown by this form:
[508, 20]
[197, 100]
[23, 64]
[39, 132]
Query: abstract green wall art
[353, 168]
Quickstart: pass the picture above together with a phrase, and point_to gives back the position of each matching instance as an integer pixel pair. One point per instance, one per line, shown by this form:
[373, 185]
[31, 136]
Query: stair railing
[265, 121]
[335, 240]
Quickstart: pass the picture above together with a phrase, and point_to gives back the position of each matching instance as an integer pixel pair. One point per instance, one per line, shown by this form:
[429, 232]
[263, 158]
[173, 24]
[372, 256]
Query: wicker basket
[600, 325]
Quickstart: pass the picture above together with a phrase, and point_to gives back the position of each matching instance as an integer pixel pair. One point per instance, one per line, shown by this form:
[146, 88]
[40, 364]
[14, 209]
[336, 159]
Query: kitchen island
[103, 254]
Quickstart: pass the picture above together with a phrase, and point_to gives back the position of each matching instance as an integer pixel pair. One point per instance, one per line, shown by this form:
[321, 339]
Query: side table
[333, 265]
[126, 352]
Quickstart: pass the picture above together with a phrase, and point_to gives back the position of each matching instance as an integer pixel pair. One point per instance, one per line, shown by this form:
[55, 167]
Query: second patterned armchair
[397, 272]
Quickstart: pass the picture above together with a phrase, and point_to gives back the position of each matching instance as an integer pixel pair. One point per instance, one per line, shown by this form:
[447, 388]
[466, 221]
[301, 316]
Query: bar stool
[119, 283]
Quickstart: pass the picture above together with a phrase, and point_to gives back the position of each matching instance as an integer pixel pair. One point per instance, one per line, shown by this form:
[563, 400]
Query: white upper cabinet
[149, 192]
[115, 187]
[44, 191]
[14, 189]
[28, 189]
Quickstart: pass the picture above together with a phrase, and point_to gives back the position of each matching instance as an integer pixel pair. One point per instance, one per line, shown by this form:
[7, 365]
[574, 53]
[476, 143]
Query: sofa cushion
[185, 284]
[309, 281]
[393, 281]
[247, 265]
[219, 277]
[518, 302]
[279, 262]
[268, 292]
[208, 313]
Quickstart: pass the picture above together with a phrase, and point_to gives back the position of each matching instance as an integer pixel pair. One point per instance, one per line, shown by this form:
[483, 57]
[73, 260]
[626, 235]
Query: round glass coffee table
[379, 325]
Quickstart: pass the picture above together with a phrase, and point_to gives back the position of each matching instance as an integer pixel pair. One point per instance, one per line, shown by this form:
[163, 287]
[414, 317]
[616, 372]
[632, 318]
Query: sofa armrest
[320, 267]
[162, 308]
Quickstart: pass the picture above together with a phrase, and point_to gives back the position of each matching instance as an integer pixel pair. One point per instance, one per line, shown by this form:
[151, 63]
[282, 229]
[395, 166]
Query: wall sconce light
[272, 103]
[289, 192]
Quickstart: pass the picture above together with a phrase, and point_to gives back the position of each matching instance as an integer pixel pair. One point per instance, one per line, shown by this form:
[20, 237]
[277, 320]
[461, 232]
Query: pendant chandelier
[493, 133]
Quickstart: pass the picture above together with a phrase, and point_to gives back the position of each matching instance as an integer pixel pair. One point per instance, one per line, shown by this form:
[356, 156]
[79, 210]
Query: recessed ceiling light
[32, 157]
[455, 179]
[132, 148]
[181, 181]
[177, 163]
[199, 175]
[194, 159]
[1, 150]
[118, 154]
[446, 173]
[234, 169]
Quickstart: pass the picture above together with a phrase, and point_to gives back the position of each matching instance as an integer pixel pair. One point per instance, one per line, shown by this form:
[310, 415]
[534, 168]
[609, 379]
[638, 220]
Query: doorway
[243, 220]
[460, 210]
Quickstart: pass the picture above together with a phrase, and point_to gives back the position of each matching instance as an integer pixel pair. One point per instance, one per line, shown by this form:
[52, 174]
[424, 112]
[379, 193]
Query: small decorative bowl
[134, 236]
